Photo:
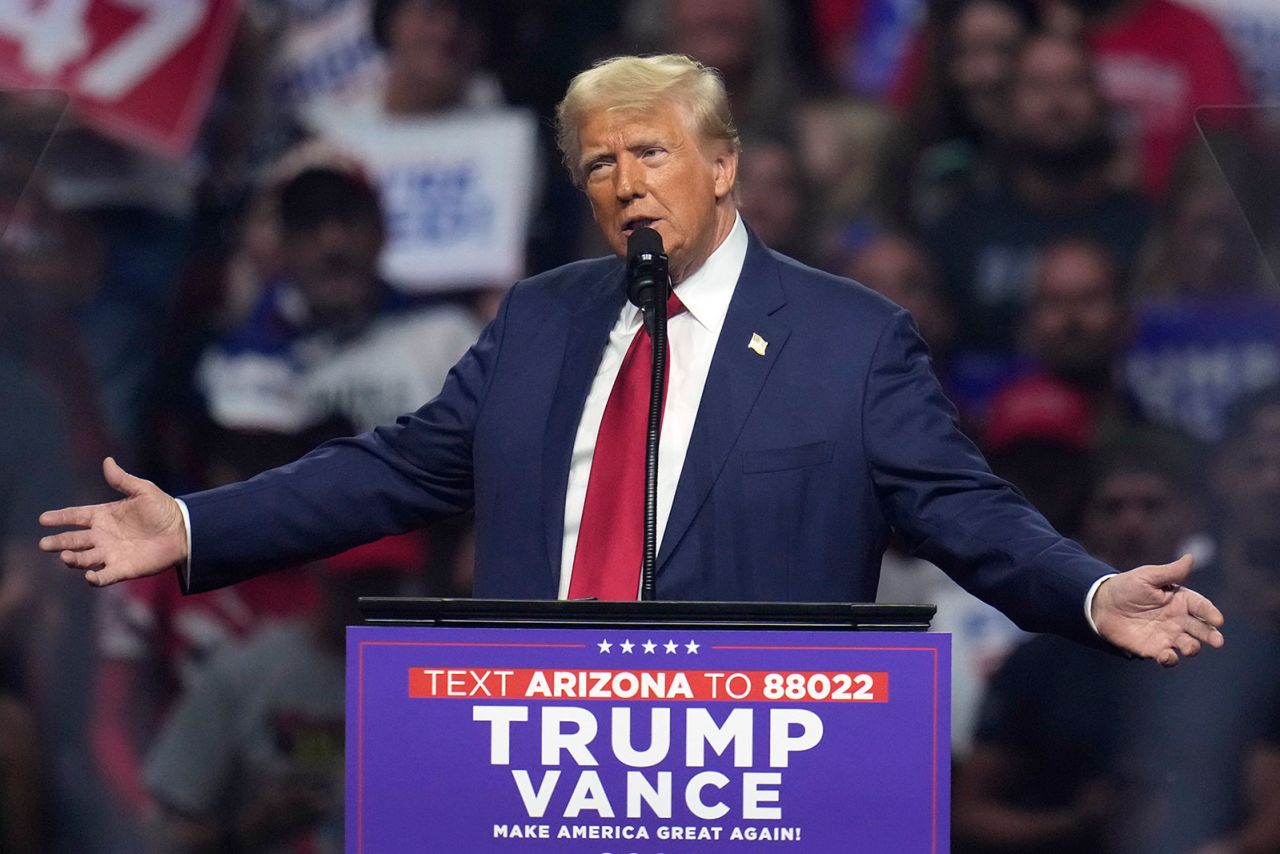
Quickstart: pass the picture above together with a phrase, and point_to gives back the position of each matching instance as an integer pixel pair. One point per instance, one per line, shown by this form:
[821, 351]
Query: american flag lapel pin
[757, 344]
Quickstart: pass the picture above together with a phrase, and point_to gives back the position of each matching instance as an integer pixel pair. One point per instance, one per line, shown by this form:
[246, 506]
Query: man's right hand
[139, 535]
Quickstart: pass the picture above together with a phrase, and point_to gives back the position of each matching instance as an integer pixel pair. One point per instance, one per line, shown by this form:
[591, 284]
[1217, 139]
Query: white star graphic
[626, 646]
[692, 647]
[605, 646]
[649, 646]
[671, 647]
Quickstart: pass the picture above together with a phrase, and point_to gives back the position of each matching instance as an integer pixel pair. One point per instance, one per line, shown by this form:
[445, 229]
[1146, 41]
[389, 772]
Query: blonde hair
[641, 84]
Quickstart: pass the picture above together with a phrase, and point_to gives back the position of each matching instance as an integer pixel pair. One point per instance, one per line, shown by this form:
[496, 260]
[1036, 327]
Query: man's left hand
[1147, 612]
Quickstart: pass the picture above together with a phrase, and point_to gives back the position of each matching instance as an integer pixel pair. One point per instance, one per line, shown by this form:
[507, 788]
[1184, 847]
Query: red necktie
[606, 564]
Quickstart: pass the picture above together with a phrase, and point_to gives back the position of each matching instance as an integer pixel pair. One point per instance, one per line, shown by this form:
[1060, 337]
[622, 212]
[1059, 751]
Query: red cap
[1039, 408]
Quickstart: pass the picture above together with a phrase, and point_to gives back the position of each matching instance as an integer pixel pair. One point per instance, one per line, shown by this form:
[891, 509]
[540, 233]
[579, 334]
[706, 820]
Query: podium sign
[646, 740]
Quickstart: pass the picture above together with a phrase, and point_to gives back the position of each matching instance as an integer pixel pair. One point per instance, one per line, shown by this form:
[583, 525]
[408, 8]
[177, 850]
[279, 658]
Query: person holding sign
[802, 423]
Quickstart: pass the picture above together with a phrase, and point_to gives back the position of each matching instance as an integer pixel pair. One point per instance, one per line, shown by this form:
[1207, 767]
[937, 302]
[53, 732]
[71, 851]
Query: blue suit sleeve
[349, 491]
[936, 489]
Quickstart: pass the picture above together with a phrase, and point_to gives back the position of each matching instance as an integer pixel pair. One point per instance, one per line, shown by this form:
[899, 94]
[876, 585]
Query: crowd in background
[1068, 195]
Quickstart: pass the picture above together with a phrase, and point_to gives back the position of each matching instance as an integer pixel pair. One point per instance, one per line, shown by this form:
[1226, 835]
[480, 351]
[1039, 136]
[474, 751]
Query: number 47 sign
[140, 70]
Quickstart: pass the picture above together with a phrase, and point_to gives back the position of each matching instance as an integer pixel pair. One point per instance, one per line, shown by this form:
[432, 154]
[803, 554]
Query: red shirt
[1157, 66]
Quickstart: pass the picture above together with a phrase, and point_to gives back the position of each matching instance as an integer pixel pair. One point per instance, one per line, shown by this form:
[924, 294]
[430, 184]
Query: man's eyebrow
[646, 142]
[590, 157]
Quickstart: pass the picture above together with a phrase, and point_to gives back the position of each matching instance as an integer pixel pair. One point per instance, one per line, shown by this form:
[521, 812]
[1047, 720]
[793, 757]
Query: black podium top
[590, 613]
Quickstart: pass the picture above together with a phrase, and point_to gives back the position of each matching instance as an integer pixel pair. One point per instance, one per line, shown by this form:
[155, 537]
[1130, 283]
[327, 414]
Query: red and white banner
[140, 70]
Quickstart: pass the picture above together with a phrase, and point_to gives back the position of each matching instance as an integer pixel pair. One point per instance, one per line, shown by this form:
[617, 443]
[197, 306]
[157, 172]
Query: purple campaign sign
[650, 741]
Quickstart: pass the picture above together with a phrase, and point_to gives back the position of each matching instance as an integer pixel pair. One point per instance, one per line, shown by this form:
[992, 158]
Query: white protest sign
[457, 193]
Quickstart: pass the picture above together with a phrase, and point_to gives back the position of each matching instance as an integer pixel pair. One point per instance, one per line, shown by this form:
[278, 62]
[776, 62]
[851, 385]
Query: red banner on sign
[140, 70]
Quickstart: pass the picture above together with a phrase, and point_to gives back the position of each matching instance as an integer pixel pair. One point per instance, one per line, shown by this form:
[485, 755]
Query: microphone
[647, 287]
[647, 278]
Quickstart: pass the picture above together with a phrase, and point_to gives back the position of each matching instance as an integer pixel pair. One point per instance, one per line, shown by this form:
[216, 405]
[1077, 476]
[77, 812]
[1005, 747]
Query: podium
[650, 727]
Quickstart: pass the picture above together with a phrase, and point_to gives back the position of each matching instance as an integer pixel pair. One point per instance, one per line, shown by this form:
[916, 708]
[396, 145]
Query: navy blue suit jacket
[800, 462]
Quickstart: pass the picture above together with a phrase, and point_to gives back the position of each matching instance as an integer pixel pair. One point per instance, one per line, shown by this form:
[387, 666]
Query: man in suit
[802, 423]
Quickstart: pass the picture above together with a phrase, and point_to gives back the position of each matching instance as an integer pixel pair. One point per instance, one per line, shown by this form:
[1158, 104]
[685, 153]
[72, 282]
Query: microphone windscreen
[643, 241]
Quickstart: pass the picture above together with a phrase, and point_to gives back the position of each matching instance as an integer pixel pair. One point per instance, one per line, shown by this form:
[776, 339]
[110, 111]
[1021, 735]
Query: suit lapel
[734, 382]
[589, 327]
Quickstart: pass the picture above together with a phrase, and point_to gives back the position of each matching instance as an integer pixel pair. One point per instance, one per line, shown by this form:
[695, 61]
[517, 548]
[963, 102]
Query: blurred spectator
[959, 112]
[332, 339]
[896, 266]
[1158, 62]
[849, 151]
[773, 197]
[256, 259]
[1246, 484]
[747, 41]
[48, 422]
[153, 642]
[1077, 326]
[140, 205]
[1223, 791]
[32, 430]
[51, 265]
[981, 636]
[456, 169]
[432, 50]
[252, 757]
[1038, 436]
[1044, 774]
[1202, 243]
[1246, 488]
[1209, 327]
[1144, 506]
[1054, 185]
[1074, 750]
[33, 598]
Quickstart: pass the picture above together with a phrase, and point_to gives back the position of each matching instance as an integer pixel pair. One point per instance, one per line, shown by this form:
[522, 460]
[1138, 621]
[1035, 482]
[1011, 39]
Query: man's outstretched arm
[141, 534]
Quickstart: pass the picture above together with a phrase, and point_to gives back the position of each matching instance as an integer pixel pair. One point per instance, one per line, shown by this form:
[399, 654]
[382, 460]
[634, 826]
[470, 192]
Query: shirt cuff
[184, 569]
[1088, 597]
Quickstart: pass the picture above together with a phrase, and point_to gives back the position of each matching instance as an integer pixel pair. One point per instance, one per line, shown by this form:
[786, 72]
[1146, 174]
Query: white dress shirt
[691, 337]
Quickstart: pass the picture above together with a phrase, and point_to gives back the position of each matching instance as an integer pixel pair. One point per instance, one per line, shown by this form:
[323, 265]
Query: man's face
[1247, 479]
[1054, 104]
[1212, 248]
[899, 270]
[335, 265]
[985, 37]
[1076, 322]
[651, 170]
[718, 33]
[1137, 518]
[771, 193]
[430, 40]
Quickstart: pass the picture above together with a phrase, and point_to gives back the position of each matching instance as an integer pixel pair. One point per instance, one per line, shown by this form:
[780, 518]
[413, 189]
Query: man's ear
[726, 172]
